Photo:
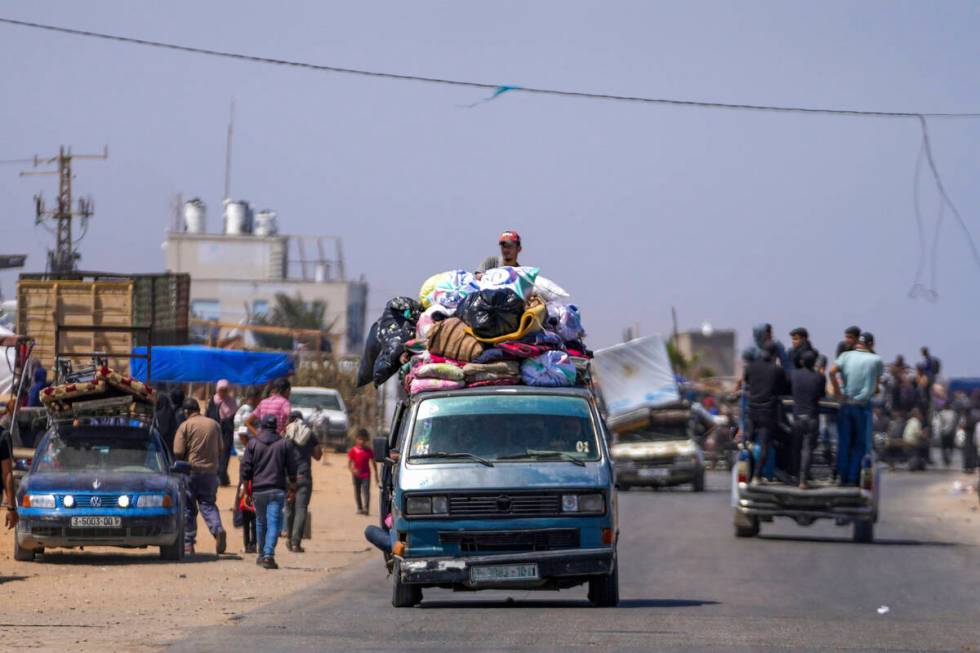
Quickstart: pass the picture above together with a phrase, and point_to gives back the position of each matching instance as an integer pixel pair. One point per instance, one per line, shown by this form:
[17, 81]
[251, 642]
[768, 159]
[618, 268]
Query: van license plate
[655, 472]
[496, 573]
[96, 522]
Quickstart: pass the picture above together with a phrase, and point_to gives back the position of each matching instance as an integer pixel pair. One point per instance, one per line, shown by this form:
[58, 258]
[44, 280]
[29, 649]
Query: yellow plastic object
[429, 285]
[532, 320]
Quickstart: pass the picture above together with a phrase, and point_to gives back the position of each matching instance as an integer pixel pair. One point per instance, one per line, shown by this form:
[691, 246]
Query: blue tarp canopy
[200, 364]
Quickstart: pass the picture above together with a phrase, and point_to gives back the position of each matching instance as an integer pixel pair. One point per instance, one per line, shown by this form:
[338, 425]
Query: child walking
[360, 462]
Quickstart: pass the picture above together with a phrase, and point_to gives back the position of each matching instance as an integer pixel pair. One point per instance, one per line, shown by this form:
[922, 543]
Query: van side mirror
[381, 449]
[181, 467]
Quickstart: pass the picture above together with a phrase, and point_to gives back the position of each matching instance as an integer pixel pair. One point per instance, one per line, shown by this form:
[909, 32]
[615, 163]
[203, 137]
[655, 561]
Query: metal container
[195, 216]
[238, 218]
[266, 223]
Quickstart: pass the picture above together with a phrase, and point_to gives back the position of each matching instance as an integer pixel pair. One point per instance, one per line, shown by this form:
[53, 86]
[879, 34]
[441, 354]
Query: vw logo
[503, 504]
[95, 502]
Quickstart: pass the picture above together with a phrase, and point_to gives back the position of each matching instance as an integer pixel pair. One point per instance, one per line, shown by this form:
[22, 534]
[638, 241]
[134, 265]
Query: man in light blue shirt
[860, 370]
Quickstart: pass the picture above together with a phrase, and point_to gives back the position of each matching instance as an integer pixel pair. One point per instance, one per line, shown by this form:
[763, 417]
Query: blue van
[500, 487]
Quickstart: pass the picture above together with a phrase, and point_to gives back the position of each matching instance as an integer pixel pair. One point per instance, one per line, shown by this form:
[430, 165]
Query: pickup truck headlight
[583, 503]
[38, 501]
[153, 501]
[427, 505]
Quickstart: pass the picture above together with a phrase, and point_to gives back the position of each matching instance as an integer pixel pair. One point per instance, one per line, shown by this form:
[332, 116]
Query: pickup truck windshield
[657, 432]
[546, 429]
[99, 448]
[314, 401]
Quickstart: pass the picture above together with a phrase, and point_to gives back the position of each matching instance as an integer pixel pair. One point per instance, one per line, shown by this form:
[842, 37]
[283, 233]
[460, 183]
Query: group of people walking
[275, 469]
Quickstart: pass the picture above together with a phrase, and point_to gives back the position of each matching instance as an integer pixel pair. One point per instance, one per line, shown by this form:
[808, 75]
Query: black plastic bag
[492, 312]
[396, 326]
[400, 316]
[389, 360]
[372, 347]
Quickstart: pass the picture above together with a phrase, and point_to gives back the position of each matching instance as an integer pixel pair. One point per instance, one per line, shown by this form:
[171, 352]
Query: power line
[498, 89]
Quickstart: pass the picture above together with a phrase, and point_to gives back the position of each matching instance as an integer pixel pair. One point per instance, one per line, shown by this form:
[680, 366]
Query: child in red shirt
[360, 462]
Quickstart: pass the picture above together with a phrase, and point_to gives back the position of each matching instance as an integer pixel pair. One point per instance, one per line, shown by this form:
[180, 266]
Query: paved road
[687, 585]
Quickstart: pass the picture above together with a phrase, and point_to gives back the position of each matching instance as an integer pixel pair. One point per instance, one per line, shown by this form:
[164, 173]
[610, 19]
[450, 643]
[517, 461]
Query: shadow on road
[10, 579]
[846, 540]
[110, 559]
[572, 604]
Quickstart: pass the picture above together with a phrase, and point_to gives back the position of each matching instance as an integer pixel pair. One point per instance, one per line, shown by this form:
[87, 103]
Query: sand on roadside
[106, 599]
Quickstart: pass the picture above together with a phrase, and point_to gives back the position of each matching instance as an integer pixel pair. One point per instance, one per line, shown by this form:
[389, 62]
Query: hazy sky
[732, 217]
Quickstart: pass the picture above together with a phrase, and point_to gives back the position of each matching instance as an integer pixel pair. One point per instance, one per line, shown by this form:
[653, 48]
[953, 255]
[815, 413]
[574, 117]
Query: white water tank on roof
[195, 216]
[266, 223]
[238, 218]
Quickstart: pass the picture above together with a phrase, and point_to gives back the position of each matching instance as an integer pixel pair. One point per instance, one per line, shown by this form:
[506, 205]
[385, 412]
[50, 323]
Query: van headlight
[438, 505]
[39, 501]
[583, 503]
[151, 501]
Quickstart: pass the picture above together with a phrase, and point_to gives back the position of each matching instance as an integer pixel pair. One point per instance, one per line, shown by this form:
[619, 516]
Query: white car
[324, 410]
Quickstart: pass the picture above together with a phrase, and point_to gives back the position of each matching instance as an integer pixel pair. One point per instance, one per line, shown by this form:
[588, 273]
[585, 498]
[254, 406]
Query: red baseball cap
[510, 237]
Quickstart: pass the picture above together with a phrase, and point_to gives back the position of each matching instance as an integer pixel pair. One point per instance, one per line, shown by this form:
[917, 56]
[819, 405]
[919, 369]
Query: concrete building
[714, 351]
[236, 274]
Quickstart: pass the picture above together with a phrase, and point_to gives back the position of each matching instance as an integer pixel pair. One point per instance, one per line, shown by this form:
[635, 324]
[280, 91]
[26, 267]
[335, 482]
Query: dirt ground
[104, 599]
[952, 501]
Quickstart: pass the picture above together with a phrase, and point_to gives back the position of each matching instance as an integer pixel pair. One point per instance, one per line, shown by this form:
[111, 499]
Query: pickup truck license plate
[655, 472]
[96, 522]
[495, 573]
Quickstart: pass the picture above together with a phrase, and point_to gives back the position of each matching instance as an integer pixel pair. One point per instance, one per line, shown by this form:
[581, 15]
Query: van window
[510, 428]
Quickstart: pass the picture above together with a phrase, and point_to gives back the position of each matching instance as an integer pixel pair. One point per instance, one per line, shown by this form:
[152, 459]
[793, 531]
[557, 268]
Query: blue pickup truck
[105, 481]
[502, 487]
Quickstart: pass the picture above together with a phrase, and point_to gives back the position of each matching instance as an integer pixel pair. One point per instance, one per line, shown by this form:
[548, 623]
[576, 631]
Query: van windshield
[504, 428]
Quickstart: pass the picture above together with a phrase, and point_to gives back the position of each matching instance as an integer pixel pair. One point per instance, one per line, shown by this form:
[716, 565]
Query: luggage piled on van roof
[506, 326]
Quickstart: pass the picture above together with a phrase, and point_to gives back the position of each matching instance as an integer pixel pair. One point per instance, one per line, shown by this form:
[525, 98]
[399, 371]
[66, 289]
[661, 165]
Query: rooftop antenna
[231, 132]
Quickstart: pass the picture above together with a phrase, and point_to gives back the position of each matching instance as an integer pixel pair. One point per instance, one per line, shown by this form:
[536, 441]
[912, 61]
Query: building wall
[717, 351]
[227, 299]
[217, 256]
[236, 276]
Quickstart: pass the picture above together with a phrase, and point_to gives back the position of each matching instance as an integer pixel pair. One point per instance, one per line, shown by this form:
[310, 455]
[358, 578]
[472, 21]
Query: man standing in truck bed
[860, 371]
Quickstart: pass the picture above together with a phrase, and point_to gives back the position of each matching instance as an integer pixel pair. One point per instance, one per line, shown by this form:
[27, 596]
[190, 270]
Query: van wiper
[455, 454]
[534, 453]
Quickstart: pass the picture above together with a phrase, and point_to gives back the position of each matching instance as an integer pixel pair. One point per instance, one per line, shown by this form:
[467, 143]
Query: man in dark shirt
[808, 388]
[851, 335]
[270, 464]
[801, 343]
[766, 381]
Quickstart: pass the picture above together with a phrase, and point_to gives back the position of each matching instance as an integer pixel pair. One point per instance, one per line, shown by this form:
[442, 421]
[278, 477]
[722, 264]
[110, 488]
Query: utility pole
[64, 257]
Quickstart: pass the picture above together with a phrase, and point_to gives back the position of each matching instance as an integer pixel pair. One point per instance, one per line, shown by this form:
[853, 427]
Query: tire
[698, 484]
[747, 531]
[24, 555]
[604, 590]
[403, 595]
[864, 531]
[624, 487]
[175, 552]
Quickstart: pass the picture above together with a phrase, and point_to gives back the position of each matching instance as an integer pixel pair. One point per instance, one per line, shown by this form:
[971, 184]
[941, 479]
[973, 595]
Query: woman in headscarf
[221, 408]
